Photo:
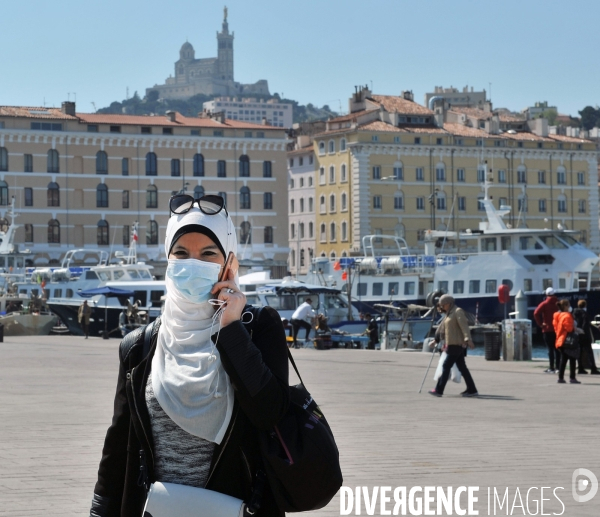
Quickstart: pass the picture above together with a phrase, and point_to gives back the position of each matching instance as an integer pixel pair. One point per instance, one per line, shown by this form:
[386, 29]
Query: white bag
[172, 500]
[454, 372]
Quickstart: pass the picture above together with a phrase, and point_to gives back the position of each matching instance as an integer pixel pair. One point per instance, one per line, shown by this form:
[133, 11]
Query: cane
[429, 366]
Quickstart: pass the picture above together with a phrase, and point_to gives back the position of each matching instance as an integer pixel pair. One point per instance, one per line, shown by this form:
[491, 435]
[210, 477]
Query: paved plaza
[524, 431]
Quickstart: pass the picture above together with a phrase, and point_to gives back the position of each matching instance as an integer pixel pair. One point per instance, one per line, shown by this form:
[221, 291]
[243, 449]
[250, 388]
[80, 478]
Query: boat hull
[16, 324]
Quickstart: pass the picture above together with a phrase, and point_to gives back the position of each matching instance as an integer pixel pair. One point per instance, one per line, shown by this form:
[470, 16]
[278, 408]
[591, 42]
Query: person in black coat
[190, 411]
[372, 331]
[585, 339]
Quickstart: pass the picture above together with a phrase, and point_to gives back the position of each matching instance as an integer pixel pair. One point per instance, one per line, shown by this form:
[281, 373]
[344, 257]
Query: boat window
[104, 276]
[145, 274]
[527, 284]
[508, 282]
[377, 288]
[155, 298]
[562, 283]
[546, 282]
[458, 287]
[141, 297]
[569, 240]
[69, 293]
[529, 243]
[583, 281]
[57, 293]
[443, 286]
[552, 242]
[490, 286]
[133, 273]
[252, 299]
[393, 288]
[118, 274]
[46, 293]
[474, 286]
[22, 291]
[506, 243]
[35, 292]
[91, 275]
[19, 262]
[362, 289]
[11, 261]
[488, 244]
[285, 302]
[2, 261]
[540, 259]
[575, 283]
[332, 301]
[409, 288]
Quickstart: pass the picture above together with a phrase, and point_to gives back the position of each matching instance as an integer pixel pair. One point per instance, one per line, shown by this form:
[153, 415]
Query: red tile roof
[378, 125]
[393, 103]
[473, 112]
[461, 130]
[34, 112]
[305, 150]
[350, 116]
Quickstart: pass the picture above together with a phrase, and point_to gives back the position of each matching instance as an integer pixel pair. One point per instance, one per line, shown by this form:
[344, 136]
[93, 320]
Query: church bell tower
[225, 54]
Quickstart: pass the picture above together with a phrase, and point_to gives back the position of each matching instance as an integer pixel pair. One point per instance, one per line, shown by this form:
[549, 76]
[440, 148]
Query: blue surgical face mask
[193, 278]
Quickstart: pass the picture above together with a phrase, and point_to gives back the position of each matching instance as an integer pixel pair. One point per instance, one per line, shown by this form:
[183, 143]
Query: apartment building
[83, 180]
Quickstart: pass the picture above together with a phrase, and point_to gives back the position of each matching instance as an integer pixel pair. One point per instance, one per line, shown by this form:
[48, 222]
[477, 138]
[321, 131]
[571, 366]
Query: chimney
[408, 95]
[68, 108]
[171, 115]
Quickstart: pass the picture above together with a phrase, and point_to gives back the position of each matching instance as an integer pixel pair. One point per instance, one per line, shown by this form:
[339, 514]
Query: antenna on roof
[127, 93]
[94, 105]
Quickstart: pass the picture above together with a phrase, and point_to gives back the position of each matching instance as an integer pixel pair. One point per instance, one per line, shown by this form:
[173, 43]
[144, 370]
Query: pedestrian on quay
[83, 316]
[458, 337]
[586, 355]
[563, 324]
[543, 315]
[300, 319]
[372, 331]
[189, 411]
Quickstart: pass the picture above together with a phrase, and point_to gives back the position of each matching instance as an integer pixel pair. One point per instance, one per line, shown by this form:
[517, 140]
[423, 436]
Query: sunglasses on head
[209, 205]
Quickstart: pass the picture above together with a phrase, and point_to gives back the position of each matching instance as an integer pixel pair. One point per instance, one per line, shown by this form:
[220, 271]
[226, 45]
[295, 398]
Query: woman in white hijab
[188, 412]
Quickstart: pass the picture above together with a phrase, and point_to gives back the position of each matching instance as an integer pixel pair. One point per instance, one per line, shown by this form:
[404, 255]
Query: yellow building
[393, 167]
[82, 180]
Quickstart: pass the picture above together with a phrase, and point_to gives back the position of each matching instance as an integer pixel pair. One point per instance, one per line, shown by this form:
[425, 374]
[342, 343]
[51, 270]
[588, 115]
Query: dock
[524, 431]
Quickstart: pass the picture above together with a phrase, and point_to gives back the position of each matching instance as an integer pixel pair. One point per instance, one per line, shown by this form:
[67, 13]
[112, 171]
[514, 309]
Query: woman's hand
[234, 298]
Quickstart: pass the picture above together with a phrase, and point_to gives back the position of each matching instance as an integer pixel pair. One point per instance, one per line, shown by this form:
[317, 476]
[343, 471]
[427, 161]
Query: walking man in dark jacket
[585, 339]
[543, 315]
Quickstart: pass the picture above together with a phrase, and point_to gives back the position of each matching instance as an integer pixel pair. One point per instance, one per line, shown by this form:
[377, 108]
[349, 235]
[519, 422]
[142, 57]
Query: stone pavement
[524, 431]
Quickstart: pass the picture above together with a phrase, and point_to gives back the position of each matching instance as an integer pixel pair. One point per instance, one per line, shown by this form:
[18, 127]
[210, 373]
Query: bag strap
[295, 367]
[148, 338]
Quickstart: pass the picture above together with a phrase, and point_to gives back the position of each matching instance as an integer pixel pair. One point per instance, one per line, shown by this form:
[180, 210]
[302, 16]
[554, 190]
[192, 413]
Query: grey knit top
[179, 457]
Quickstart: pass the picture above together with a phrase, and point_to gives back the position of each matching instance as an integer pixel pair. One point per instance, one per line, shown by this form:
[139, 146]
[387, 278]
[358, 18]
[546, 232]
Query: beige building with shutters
[83, 180]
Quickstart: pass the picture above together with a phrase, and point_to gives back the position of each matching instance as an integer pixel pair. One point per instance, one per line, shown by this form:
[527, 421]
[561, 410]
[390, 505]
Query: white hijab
[188, 377]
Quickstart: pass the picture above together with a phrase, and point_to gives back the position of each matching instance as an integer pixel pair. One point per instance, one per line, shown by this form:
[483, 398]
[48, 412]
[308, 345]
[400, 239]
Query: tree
[589, 117]
[551, 115]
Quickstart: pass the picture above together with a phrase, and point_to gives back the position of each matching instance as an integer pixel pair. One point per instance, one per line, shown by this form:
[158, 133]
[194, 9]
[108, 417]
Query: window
[28, 163]
[377, 202]
[439, 141]
[417, 140]
[344, 231]
[198, 168]
[268, 235]
[301, 205]
[440, 173]
[323, 233]
[332, 174]
[474, 286]
[267, 169]
[53, 161]
[167, 130]
[332, 235]
[488, 244]
[291, 162]
[218, 132]
[561, 176]
[198, 191]
[331, 146]
[480, 174]
[125, 199]
[344, 202]
[490, 286]
[125, 167]
[522, 174]
[581, 205]
[322, 176]
[562, 204]
[480, 206]
[151, 233]
[115, 129]
[92, 128]
[175, 167]
[409, 287]
[399, 202]
[46, 126]
[28, 196]
[146, 130]
[376, 172]
[268, 200]
[506, 243]
[361, 289]
[245, 198]
[101, 162]
[398, 172]
[392, 288]
[396, 139]
[310, 204]
[301, 230]
[244, 166]
[377, 288]
[3, 159]
[501, 176]
[53, 194]
[332, 203]
[462, 203]
[102, 233]
[502, 202]
[420, 203]
[245, 233]
[101, 196]
[321, 147]
[374, 138]
[151, 164]
[441, 201]
[343, 144]
[419, 175]
[126, 235]
[541, 177]
[343, 175]
[542, 205]
[322, 207]
[580, 178]
[460, 175]
[458, 287]
[224, 196]
[528, 284]
[292, 206]
[221, 169]
[29, 233]
[310, 230]
[151, 197]
[53, 232]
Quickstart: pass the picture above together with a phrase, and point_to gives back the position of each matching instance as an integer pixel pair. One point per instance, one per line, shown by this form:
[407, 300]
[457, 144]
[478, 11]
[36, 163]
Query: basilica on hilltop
[209, 76]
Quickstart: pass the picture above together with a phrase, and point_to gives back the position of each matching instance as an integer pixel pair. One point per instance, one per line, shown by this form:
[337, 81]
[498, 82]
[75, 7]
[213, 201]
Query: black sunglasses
[209, 205]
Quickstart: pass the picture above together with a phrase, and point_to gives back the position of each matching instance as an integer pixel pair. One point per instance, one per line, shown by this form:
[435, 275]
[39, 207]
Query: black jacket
[257, 364]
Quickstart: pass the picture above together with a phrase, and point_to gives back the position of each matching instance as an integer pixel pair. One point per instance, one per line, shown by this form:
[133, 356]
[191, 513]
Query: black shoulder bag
[570, 345]
[300, 455]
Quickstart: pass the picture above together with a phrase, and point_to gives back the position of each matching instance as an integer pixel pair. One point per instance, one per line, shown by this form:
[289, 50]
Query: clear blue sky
[311, 51]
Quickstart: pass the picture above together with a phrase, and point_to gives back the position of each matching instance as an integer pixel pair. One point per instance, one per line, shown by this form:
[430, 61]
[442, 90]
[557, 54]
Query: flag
[337, 266]
[345, 276]
[134, 235]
